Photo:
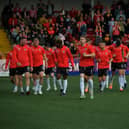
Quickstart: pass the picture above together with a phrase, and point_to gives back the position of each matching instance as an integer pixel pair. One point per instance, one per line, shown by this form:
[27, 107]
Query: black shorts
[12, 71]
[102, 72]
[37, 70]
[86, 70]
[48, 71]
[62, 71]
[22, 70]
[115, 66]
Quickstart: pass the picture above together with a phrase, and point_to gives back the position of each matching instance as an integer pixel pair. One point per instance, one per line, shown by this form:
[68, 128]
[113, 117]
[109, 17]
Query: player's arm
[127, 51]
[15, 57]
[54, 57]
[97, 57]
[30, 58]
[7, 61]
[110, 57]
[70, 57]
[45, 57]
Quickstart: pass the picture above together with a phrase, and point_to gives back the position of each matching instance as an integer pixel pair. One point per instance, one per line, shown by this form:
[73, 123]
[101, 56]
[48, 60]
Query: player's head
[23, 41]
[118, 42]
[35, 42]
[102, 44]
[59, 43]
[82, 39]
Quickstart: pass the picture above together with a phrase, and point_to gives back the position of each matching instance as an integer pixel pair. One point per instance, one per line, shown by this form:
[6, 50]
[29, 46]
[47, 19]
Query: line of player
[28, 60]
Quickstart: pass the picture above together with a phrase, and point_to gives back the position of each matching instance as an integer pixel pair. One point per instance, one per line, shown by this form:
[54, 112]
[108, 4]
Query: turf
[109, 110]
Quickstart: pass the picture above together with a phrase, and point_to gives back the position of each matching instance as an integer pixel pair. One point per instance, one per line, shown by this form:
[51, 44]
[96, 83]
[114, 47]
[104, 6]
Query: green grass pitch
[109, 110]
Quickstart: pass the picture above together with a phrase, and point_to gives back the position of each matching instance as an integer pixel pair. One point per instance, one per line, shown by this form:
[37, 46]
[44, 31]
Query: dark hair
[59, 41]
[118, 42]
[83, 36]
[21, 38]
[35, 38]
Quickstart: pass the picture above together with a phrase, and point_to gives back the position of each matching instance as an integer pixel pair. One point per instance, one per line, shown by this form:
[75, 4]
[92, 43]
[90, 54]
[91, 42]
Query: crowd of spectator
[44, 22]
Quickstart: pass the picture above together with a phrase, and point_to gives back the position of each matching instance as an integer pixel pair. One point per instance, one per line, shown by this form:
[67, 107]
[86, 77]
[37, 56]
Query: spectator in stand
[122, 26]
[88, 20]
[116, 31]
[13, 21]
[117, 10]
[69, 30]
[50, 8]
[99, 30]
[97, 17]
[107, 16]
[33, 13]
[67, 20]
[125, 40]
[73, 12]
[17, 10]
[121, 14]
[14, 32]
[24, 13]
[42, 37]
[43, 19]
[111, 24]
[127, 27]
[82, 28]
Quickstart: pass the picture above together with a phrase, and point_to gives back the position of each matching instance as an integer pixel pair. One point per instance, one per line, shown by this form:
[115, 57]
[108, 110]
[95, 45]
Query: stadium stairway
[5, 46]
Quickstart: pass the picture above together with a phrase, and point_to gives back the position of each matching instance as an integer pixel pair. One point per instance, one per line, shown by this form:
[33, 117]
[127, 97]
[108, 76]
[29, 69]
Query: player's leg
[59, 81]
[36, 81]
[107, 80]
[100, 82]
[16, 83]
[82, 87]
[12, 79]
[124, 72]
[48, 82]
[47, 72]
[54, 80]
[121, 75]
[41, 74]
[89, 73]
[65, 84]
[65, 80]
[20, 79]
[121, 79]
[33, 81]
[104, 76]
[19, 72]
[91, 87]
[111, 78]
[103, 83]
[125, 81]
[86, 84]
[27, 81]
